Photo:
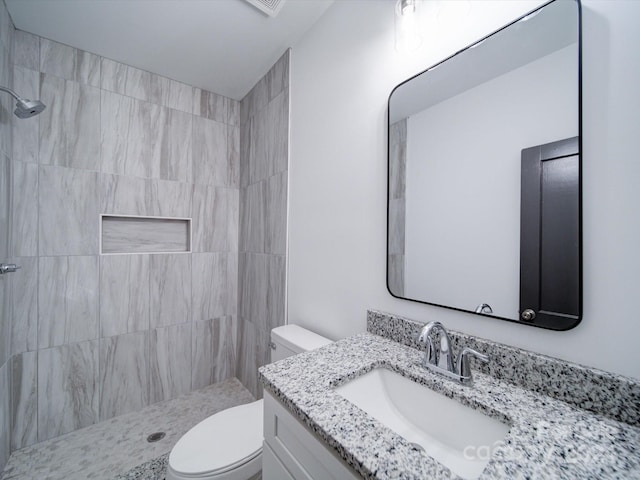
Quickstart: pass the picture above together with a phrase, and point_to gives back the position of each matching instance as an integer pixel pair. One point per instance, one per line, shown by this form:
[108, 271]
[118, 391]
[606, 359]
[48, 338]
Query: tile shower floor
[113, 448]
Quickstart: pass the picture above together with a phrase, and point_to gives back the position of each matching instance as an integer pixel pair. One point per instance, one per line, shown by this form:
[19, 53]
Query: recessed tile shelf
[132, 234]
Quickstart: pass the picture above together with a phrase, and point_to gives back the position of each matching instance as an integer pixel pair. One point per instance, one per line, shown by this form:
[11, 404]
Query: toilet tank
[289, 340]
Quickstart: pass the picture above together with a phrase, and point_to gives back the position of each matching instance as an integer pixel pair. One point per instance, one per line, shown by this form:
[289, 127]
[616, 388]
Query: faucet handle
[463, 369]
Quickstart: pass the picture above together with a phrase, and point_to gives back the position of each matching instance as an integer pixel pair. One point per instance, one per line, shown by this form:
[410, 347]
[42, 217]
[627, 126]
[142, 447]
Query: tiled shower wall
[90, 336]
[397, 206]
[264, 161]
[6, 104]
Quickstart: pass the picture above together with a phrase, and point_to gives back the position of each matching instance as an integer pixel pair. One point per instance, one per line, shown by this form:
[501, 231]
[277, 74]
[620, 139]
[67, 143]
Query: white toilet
[228, 444]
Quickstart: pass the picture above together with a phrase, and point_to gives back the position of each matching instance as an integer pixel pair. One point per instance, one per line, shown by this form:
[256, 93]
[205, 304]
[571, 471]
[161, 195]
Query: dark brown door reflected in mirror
[550, 234]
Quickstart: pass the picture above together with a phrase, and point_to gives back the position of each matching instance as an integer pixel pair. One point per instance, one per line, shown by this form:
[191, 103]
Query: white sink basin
[455, 435]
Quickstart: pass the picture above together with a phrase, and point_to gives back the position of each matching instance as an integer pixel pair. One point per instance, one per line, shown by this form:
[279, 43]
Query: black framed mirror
[484, 175]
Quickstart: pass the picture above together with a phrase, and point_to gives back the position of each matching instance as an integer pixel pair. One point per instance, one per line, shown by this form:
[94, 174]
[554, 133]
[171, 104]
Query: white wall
[342, 73]
[462, 236]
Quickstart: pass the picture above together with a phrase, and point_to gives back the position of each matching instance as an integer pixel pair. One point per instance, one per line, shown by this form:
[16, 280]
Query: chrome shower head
[24, 108]
[28, 108]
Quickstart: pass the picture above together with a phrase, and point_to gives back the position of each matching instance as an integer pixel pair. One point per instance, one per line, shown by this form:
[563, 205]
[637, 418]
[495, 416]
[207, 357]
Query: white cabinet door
[298, 450]
[272, 468]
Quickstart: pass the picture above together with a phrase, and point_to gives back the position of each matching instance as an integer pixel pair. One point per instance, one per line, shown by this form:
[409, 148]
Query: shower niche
[121, 234]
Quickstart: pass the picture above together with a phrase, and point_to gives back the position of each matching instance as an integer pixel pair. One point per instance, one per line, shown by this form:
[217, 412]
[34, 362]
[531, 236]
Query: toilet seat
[227, 441]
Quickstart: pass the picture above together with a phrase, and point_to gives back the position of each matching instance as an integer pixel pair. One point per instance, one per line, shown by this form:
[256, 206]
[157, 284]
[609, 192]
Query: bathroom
[315, 256]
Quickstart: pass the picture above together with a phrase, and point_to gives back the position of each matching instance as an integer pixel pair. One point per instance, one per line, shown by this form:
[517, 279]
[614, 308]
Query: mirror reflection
[458, 134]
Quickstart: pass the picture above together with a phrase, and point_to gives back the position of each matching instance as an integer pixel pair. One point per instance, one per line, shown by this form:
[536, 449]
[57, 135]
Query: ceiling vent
[270, 7]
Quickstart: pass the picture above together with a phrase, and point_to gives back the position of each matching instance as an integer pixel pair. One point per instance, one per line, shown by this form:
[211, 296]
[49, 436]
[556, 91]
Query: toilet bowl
[228, 444]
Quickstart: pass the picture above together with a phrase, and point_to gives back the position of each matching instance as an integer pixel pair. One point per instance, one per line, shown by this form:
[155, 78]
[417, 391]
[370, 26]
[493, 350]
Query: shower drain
[154, 437]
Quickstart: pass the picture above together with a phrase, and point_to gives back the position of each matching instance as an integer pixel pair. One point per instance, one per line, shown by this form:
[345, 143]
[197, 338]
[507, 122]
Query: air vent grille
[270, 7]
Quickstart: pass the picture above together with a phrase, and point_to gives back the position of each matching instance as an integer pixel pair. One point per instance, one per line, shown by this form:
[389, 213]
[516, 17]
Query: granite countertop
[548, 438]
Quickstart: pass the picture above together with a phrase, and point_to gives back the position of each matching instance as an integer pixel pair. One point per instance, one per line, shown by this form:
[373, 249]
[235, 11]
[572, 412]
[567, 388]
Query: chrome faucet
[441, 360]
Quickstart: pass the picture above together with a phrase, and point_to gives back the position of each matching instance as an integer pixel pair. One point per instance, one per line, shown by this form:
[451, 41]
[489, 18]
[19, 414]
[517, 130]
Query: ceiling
[224, 46]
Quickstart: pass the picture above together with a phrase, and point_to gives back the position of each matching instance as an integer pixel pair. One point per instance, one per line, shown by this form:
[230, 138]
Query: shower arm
[12, 93]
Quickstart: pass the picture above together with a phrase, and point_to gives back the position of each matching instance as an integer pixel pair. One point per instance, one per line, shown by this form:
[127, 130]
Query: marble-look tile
[172, 94]
[254, 101]
[24, 305]
[24, 400]
[209, 285]
[396, 226]
[88, 68]
[5, 320]
[24, 218]
[6, 103]
[210, 105]
[210, 223]
[263, 354]
[25, 132]
[197, 98]
[277, 133]
[5, 283]
[125, 80]
[171, 199]
[252, 218]
[395, 279]
[213, 351]
[5, 217]
[123, 195]
[397, 159]
[244, 111]
[233, 219]
[172, 142]
[258, 148]
[69, 63]
[6, 28]
[259, 353]
[232, 283]
[67, 388]
[170, 289]
[70, 125]
[278, 76]
[52, 141]
[124, 374]
[268, 149]
[233, 117]
[246, 358]
[233, 156]
[245, 153]
[253, 278]
[67, 211]
[169, 362]
[67, 299]
[210, 162]
[125, 137]
[124, 294]
[5, 409]
[26, 50]
[276, 291]
[57, 59]
[275, 236]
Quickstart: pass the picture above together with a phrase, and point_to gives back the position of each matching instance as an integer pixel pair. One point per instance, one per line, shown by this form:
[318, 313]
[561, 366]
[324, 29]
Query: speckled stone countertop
[548, 438]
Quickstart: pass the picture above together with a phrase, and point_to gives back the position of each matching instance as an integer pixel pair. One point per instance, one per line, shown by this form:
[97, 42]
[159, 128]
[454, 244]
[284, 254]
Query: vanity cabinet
[291, 451]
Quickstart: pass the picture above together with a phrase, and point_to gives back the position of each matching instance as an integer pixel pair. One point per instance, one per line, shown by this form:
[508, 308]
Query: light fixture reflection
[408, 39]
